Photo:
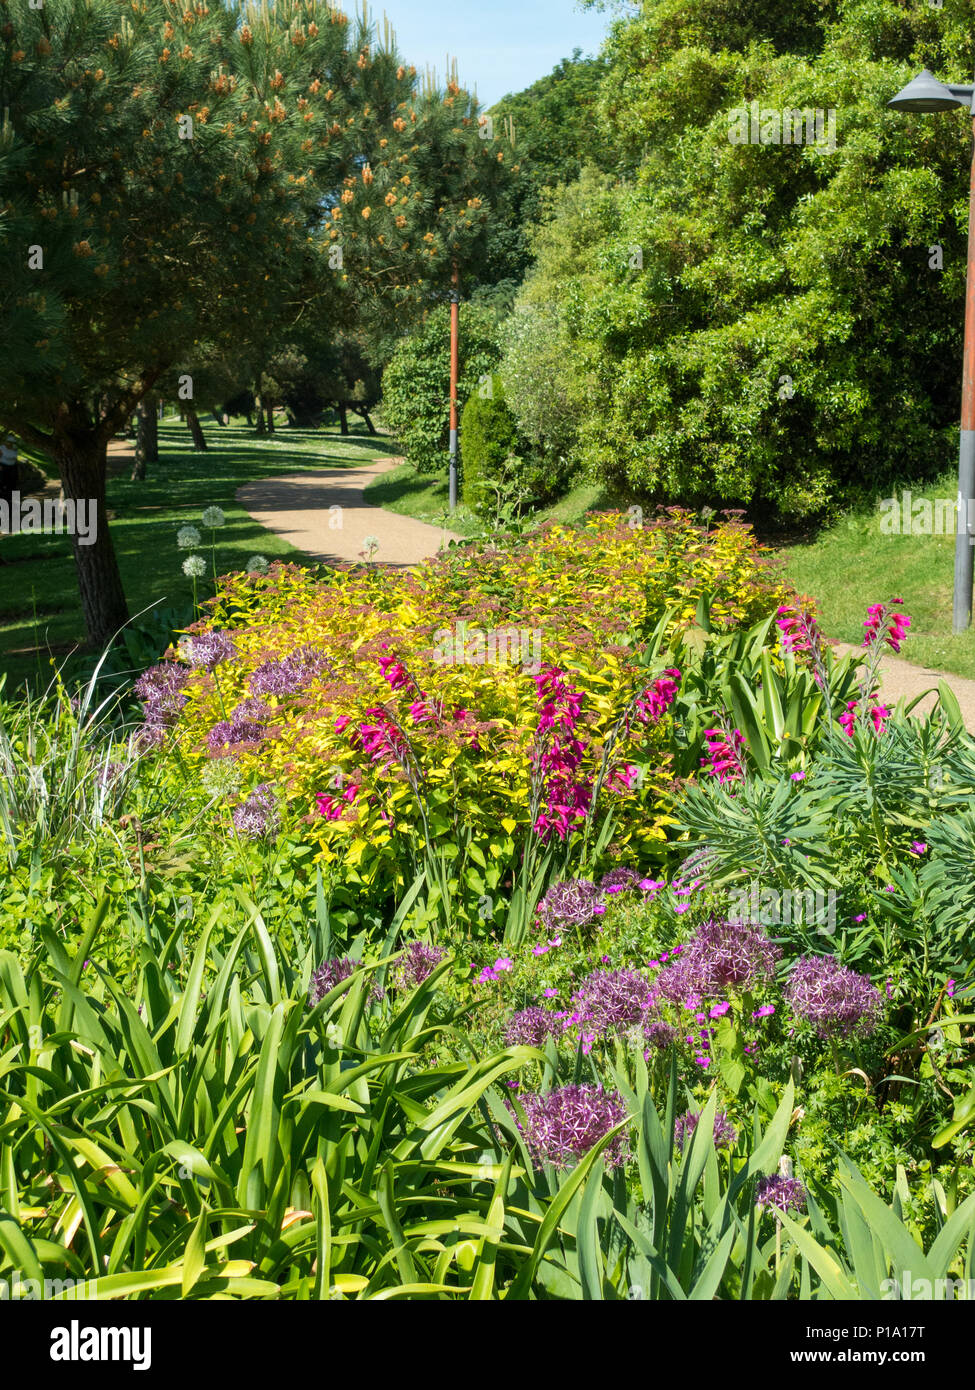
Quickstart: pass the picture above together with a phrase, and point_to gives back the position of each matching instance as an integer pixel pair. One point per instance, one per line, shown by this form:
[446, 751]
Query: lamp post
[926, 93]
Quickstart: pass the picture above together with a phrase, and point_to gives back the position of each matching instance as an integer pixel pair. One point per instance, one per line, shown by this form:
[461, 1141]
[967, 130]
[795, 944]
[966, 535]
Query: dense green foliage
[490, 440]
[758, 322]
[416, 384]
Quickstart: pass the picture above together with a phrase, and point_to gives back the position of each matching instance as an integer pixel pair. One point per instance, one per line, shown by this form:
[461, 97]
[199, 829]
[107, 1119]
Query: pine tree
[175, 178]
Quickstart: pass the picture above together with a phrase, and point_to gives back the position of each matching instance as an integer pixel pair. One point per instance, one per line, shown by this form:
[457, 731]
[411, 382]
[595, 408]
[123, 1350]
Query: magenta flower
[918, 847]
[885, 624]
[726, 758]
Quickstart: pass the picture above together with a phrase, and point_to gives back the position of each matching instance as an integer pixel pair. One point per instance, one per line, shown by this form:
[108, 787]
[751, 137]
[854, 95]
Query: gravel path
[325, 515]
[901, 679]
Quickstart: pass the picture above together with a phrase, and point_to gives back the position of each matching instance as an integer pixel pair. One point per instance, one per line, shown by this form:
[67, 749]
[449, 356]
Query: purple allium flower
[619, 879]
[778, 1191]
[417, 964]
[332, 973]
[833, 998]
[723, 955]
[530, 1027]
[613, 999]
[725, 1134]
[288, 675]
[562, 1125]
[258, 815]
[230, 733]
[161, 691]
[658, 1033]
[209, 649]
[575, 903]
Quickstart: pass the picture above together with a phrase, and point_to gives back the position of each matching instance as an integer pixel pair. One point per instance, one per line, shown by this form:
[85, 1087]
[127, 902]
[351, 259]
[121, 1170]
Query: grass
[424, 497]
[853, 564]
[40, 611]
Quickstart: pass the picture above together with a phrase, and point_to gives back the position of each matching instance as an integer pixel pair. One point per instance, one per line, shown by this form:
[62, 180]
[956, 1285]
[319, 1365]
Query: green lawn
[40, 612]
[424, 496]
[853, 564]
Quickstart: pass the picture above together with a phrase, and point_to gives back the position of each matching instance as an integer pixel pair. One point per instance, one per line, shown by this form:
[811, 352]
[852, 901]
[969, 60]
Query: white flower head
[257, 564]
[194, 567]
[212, 518]
[188, 538]
[221, 777]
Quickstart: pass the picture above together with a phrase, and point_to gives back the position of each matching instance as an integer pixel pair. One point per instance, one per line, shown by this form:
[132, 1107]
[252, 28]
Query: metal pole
[965, 537]
[454, 374]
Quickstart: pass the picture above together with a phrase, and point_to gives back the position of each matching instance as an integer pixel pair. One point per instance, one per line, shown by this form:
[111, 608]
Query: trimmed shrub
[489, 436]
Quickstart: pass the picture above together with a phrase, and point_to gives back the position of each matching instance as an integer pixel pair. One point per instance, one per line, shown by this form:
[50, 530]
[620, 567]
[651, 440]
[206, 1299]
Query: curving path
[326, 515]
[902, 679]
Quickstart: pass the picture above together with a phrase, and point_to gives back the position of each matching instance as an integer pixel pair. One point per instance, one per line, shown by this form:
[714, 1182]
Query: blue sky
[501, 46]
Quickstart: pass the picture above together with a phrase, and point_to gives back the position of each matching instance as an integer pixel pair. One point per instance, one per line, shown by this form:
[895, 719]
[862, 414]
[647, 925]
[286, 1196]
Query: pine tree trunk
[196, 430]
[365, 415]
[259, 408]
[150, 421]
[146, 448]
[269, 409]
[81, 462]
[343, 417]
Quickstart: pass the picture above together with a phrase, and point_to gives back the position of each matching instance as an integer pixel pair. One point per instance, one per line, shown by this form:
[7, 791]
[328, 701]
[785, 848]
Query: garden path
[326, 515]
[902, 679]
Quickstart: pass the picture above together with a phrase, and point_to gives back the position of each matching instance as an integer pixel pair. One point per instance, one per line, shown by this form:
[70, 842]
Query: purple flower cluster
[288, 675]
[834, 999]
[161, 691]
[778, 1191]
[722, 956]
[530, 1027]
[208, 649]
[562, 1125]
[618, 880]
[332, 973]
[575, 903]
[417, 964]
[612, 999]
[658, 1034]
[725, 1134]
[245, 726]
[258, 815]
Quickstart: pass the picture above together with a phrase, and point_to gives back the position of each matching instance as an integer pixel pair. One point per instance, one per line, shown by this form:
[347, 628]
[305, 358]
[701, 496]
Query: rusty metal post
[965, 535]
[454, 375]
